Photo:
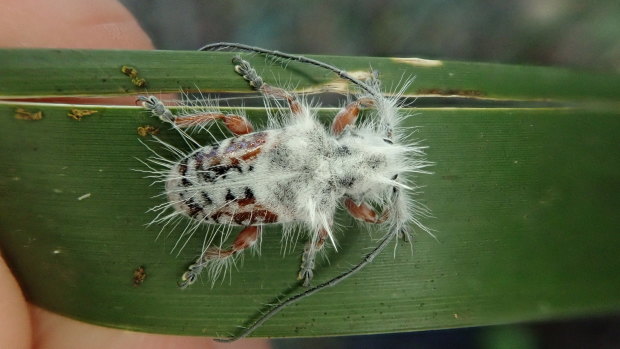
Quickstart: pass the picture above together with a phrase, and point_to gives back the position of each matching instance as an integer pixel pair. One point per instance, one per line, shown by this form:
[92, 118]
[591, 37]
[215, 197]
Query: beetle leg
[366, 213]
[306, 271]
[363, 212]
[237, 124]
[248, 237]
[348, 114]
[243, 68]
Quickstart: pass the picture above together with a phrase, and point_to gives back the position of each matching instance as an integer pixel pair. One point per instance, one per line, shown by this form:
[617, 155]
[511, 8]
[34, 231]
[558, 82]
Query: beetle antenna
[330, 283]
[341, 73]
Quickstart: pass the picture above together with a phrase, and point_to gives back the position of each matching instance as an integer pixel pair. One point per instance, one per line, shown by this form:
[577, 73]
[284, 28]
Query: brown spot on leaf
[140, 82]
[133, 74]
[146, 130]
[129, 71]
[78, 114]
[22, 114]
[139, 275]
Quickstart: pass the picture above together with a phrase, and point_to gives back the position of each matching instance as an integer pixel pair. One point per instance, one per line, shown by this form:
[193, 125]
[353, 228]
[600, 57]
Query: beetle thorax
[367, 165]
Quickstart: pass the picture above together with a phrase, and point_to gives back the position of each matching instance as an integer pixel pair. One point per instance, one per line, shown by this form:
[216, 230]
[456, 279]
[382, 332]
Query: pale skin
[94, 24]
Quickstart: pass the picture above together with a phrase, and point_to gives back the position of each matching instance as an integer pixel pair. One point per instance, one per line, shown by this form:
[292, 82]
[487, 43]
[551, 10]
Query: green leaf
[525, 201]
[44, 72]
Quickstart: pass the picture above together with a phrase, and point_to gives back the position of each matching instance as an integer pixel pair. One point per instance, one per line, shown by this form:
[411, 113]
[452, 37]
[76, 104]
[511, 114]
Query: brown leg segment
[363, 212]
[237, 124]
[348, 114]
[243, 68]
[245, 239]
[277, 92]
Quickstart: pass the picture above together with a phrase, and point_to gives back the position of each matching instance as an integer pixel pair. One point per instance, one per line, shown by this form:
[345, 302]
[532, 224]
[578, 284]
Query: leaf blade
[511, 193]
[45, 72]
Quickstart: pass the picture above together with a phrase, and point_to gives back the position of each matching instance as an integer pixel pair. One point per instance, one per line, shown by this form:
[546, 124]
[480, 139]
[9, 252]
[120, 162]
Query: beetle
[296, 172]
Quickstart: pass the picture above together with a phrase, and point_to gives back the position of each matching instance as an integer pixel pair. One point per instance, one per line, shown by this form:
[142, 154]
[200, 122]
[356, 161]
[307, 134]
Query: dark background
[570, 33]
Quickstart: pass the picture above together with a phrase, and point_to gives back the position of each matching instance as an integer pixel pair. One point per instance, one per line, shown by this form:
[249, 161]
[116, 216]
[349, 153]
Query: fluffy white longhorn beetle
[296, 173]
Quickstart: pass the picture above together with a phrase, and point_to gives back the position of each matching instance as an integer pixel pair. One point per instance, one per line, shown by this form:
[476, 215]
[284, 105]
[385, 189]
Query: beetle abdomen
[214, 183]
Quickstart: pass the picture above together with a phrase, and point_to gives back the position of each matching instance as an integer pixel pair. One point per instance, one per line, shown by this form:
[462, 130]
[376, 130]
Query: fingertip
[55, 331]
[15, 329]
[73, 24]
[91, 24]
